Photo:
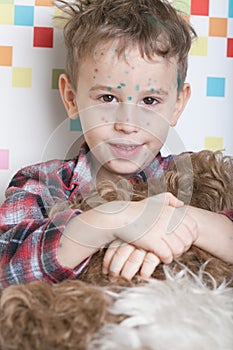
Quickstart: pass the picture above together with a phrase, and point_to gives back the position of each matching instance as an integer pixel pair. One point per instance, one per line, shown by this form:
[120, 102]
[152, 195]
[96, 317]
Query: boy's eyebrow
[101, 87]
[158, 91]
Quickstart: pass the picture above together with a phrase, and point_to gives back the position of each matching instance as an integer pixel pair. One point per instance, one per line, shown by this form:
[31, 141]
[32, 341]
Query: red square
[230, 47]
[200, 7]
[43, 37]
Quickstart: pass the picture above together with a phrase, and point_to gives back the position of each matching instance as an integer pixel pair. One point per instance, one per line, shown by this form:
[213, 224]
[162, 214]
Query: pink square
[4, 159]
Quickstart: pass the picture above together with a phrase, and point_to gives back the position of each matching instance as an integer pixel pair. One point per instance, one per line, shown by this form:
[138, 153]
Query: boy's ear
[181, 102]
[68, 96]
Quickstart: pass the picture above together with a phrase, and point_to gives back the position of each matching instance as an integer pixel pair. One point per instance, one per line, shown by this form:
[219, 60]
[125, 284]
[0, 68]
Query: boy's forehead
[106, 54]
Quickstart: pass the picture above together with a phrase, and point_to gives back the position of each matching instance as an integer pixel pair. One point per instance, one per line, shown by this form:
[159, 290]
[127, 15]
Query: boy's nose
[127, 119]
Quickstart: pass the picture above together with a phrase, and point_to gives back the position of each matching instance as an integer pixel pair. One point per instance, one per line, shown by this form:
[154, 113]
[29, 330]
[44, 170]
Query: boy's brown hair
[153, 26]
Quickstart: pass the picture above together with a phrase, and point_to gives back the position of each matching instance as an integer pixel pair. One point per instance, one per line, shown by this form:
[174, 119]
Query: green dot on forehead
[152, 89]
[137, 87]
[129, 98]
[109, 88]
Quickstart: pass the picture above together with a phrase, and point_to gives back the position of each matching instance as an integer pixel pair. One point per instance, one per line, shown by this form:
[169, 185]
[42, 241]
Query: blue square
[24, 15]
[216, 87]
[75, 125]
[230, 9]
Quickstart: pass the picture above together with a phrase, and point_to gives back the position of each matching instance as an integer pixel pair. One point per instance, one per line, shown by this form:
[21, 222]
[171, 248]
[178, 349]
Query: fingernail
[104, 271]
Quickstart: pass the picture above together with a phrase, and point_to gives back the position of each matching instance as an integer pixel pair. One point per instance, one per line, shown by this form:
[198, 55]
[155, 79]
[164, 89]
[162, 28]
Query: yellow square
[214, 143]
[6, 14]
[200, 47]
[6, 55]
[22, 77]
[59, 20]
[44, 2]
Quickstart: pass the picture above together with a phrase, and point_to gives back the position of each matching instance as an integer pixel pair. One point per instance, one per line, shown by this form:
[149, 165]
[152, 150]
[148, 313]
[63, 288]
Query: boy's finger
[133, 264]
[115, 258]
[175, 244]
[111, 250]
[169, 199]
[151, 261]
[163, 252]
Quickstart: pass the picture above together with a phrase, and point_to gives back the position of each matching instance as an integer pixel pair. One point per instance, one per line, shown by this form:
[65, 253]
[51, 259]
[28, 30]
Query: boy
[126, 67]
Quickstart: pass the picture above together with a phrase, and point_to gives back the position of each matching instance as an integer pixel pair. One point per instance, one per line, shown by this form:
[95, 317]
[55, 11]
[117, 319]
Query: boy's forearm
[215, 233]
[85, 235]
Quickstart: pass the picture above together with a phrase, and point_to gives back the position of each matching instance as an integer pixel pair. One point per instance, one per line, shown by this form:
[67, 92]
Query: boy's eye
[107, 98]
[150, 101]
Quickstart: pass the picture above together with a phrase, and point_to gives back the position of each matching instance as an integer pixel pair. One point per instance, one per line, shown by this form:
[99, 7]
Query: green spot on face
[123, 84]
[130, 98]
[137, 88]
[109, 88]
[109, 76]
[127, 72]
[119, 87]
[152, 89]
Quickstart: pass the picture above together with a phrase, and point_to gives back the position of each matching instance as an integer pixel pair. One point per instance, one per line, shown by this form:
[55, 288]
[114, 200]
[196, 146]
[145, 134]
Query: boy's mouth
[125, 150]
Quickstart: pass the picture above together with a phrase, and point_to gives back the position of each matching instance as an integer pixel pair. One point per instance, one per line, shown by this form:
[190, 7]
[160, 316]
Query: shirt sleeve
[228, 213]
[28, 237]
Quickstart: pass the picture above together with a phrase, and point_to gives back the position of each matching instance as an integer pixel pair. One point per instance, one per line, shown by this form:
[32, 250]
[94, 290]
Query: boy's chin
[123, 167]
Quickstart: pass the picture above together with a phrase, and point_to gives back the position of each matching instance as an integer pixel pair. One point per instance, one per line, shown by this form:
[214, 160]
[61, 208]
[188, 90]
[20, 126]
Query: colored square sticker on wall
[200, 47]
[218, 27]
[55, 77]
[183, 6]
[44, 2]
[6, 14]
[21, 77]
[7, 1]
[43, 37]
[230, 12]
[24, 15]
[213, 143]
[6, 55]
[200, 7]
[230, 47]
[4, 159]
[75, 125]
[216, 86]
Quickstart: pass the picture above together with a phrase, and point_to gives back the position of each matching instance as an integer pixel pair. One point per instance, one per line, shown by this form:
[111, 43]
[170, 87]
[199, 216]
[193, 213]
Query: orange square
[218, 27]
[6, 55]
[44, 2]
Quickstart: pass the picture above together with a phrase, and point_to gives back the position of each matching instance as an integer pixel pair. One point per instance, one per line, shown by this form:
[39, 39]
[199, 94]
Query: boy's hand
[122, 259]
[129, 259]
[157, 227]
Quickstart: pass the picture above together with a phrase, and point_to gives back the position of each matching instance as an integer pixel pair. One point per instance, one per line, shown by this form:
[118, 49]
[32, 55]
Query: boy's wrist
[87, 233]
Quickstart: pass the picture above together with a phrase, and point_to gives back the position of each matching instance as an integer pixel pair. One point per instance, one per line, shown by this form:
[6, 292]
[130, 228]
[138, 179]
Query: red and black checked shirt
[28, 238]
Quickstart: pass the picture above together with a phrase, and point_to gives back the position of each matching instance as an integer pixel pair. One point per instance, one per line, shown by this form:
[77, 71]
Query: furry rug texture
[187, 305]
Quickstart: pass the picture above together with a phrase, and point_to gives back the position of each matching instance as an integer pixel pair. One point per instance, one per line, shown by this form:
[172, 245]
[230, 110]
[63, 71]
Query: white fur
[180, 313]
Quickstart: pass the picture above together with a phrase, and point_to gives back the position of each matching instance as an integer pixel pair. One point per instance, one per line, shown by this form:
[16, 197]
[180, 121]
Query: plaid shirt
[29, 238]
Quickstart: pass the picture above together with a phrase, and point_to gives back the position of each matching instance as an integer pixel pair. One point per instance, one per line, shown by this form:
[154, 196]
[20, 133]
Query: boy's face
[126, 106]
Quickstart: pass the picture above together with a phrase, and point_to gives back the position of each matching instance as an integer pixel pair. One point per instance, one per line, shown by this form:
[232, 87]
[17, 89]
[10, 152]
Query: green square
[6, 1]
[75, 125]
[55, 77]
[183, 6]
